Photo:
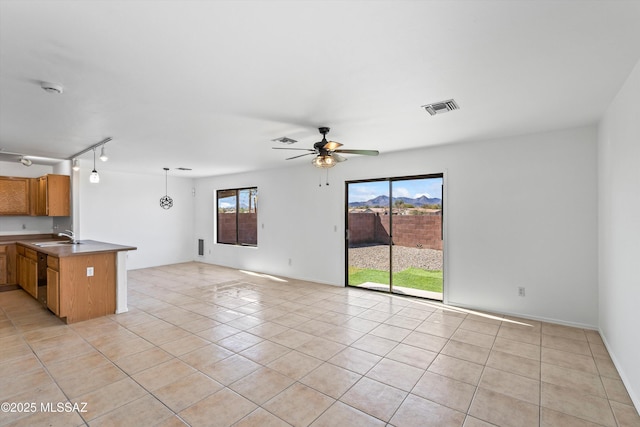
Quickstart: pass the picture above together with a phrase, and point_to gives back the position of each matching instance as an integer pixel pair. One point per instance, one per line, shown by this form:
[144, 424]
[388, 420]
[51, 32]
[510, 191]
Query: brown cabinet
[53, 285]
[27, 263]
[15, 196]
[4, 274]
[8, 264]
[49, 195]
[53, 196]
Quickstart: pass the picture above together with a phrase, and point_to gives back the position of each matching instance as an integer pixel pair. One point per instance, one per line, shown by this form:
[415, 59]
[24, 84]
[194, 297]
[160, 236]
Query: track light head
[103, 154]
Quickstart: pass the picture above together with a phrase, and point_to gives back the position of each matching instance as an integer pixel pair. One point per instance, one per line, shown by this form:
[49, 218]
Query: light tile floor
[210, 346]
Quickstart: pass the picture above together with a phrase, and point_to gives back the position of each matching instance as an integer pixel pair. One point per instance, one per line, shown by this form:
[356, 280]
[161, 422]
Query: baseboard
[625, 380]
[528, 316]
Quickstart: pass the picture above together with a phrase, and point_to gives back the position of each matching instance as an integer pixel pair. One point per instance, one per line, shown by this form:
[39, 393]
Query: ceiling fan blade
[287, 148]
[301, 155]
[363, 152]
[338, 158]
[331, 145]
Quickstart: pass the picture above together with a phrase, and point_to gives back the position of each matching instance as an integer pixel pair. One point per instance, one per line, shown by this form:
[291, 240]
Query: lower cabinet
[53, 284]
[79, 287]
[8, 265]
[4, 265]
[28, 271]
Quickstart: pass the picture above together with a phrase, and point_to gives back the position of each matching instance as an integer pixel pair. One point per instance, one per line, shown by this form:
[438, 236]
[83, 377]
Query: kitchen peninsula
[75, 281]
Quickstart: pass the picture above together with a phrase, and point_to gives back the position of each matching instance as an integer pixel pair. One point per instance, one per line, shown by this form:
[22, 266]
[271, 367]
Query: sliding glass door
[368, 240]
[395, 235]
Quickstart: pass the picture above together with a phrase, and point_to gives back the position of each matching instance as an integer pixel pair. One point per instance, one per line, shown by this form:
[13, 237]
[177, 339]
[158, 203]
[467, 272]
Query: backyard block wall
[408, 230]
[247, 228]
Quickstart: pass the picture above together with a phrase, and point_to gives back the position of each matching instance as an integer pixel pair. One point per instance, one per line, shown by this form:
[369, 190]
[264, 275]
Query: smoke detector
[441, 107]
[51, 87]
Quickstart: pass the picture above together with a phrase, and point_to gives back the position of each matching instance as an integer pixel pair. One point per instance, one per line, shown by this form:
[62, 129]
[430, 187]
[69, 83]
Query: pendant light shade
[94, 178]
[323, 161]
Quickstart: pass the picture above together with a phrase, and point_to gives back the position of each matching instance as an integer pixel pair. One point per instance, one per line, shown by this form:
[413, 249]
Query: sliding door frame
[390, 180]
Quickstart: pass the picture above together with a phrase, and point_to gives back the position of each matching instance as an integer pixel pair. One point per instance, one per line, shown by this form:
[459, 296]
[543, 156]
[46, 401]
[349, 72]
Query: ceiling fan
[326, 152]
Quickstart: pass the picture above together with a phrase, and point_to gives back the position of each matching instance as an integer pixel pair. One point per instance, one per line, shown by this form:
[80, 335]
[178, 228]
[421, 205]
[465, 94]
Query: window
[238, 216]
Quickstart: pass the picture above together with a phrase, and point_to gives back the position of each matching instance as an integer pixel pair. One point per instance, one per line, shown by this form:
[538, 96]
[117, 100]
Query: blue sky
[414, 188]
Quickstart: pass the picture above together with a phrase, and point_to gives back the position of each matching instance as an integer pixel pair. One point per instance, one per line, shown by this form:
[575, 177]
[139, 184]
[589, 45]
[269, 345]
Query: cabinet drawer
[3, 249]
[53, 263]
[31, 254]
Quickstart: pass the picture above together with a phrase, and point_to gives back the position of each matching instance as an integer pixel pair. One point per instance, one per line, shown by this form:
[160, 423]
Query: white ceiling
[209, 84]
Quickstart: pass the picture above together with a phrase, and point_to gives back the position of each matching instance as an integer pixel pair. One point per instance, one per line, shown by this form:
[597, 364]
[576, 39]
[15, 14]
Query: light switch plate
[89, 271]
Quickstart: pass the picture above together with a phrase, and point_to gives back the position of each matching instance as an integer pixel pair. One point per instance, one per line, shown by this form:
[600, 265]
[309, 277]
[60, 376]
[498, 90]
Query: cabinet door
[33, 196]
[58, 195]
[30, 276]
[14, 196]
[41, 201]
[53, 291]
[3, 269]
[20, 269]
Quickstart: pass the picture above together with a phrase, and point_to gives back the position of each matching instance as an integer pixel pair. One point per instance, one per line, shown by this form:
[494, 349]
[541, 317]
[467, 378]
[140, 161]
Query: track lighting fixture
[94, 178]
[103, 154]
[25, 161]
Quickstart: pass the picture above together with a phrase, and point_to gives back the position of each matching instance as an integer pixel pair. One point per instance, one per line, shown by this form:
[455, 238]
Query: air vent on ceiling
[441, 107]
[285, 140]
[184, 169]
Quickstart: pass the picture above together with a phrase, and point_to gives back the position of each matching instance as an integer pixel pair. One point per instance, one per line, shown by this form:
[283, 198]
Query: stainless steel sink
[50, 244]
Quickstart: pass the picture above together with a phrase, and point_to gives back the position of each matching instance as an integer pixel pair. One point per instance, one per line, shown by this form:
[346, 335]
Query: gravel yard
[377, 257]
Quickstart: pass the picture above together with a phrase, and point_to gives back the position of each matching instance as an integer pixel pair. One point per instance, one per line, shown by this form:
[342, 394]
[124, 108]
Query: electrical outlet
[89, 271]
[521, 291]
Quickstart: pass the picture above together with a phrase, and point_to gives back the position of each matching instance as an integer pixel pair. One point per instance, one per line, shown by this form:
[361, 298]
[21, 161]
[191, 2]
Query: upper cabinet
[53, 196]
[48, 195]
[14, 196]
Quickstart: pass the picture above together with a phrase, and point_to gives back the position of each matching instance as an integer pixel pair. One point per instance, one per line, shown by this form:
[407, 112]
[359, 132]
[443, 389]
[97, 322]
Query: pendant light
[166, 202]
[94, 178]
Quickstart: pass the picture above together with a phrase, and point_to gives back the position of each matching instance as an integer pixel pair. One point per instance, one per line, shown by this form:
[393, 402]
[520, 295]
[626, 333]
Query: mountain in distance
[384, 201]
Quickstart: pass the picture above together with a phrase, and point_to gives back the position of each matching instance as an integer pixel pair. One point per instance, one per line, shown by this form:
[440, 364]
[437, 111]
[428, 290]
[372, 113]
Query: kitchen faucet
[69, 234]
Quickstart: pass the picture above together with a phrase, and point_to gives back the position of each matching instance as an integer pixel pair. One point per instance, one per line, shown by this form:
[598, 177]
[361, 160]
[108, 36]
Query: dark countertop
[86, 247]
[13, 238]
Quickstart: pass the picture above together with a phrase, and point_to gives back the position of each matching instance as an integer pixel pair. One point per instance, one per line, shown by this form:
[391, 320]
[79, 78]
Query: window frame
[236, 192]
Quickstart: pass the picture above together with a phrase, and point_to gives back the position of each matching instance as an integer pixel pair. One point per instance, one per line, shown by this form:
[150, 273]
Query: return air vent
[441, 107]
[285, 140]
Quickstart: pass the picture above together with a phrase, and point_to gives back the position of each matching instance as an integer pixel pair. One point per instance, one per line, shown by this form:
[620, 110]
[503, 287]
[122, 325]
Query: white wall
[25, 224]
[619, 231]
[124, 209]
[519, 211]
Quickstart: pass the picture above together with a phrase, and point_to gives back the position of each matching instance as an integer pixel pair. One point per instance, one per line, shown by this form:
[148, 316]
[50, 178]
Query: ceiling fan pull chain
[327, 180]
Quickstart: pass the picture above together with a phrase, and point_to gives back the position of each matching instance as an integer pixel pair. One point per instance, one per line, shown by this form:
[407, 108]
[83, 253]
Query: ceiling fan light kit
[326, 152]
[323, 162]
